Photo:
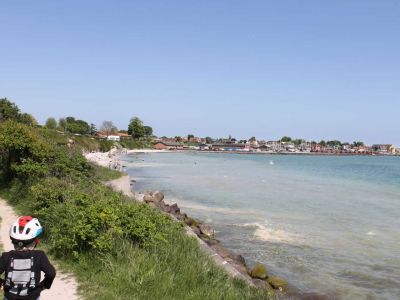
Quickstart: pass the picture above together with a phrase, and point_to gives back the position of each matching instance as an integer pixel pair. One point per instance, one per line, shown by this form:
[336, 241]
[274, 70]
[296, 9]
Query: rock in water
[196, 230]
[277, 282]
[259, 271]
[148, 198]
[190, 221]
[207, 230]
[240, 259]
[174, 209]
[158, 196]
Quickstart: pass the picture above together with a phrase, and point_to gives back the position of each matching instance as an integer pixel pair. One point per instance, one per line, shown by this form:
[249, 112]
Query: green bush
[136, 144]
[89, 217]
[105, 146]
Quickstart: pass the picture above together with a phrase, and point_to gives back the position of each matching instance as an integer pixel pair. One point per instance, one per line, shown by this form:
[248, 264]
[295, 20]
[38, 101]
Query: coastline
[234, 264]
[144, 151]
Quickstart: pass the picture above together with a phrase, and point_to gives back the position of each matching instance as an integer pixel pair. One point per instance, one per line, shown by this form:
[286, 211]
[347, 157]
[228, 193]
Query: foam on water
[265, 233]
[213, 209]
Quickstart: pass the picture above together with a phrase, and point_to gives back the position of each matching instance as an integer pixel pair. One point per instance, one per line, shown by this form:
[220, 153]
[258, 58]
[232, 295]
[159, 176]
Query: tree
[8, 110]
[189, 137]
[358, 144]
[252, 139]
[77, 126]
[27, 119]
[136, 128]
[51, 123]
[322, 143]
[108, 127]
[286, 139]
[209, 140]
[93, 129]
[178, 139]
[298, 142]
[62, 124]
[334, 143]
[148, 131]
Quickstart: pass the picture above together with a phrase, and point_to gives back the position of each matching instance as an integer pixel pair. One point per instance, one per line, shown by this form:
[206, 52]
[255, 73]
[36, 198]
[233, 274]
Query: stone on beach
[259, 283]
[190, 222]
[196, 230]
[158, 196]
[259, 271]
[207, 230]
[174, 209]
[148, 198]
[277, 282]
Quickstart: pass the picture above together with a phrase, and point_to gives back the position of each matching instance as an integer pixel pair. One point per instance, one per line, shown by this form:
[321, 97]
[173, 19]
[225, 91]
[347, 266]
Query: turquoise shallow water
[328, 224]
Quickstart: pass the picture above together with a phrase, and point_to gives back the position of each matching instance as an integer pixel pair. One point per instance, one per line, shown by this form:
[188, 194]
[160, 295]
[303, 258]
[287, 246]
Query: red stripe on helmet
[22, 221]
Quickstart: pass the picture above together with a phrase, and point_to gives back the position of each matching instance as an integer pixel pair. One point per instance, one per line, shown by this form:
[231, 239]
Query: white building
[114, 138]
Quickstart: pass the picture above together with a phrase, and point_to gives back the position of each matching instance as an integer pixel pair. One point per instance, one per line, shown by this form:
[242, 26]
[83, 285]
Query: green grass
[173, 269]
[178, 271]
[136, 144]
[105, 174]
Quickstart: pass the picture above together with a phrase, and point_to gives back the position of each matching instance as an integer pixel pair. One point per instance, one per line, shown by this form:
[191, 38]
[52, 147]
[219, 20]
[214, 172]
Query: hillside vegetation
[118, 248]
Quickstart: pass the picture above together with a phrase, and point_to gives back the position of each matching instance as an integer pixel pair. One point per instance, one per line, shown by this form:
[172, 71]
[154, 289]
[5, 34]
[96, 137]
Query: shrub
[89, 217]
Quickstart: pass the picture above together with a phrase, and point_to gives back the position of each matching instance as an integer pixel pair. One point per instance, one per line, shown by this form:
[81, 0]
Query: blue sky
[312, 69]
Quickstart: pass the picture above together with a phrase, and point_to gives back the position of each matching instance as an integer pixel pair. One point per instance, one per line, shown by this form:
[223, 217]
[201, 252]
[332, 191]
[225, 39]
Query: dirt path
[64, 286]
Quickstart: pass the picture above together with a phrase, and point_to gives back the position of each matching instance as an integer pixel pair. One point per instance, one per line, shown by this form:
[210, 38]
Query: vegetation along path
[64, 286]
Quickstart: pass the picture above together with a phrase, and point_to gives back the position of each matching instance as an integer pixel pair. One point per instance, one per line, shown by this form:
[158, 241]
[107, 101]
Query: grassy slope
[177, 269]
[142, 256]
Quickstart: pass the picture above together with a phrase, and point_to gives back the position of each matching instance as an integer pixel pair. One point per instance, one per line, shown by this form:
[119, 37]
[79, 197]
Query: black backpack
[20, 279]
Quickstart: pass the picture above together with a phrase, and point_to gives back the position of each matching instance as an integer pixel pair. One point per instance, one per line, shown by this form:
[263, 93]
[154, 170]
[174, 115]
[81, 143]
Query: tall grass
[179, 270]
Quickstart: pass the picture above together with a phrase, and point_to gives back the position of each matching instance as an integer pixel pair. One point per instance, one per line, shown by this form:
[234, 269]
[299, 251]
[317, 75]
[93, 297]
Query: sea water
[328, 224]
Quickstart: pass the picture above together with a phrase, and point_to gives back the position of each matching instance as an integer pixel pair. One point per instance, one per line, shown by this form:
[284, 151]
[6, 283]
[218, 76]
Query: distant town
[285, 145]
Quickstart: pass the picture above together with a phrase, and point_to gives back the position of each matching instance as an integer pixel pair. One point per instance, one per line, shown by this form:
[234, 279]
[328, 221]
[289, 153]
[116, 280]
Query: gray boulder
[148, 198]
[277, 282]
[158, 196]
[174, 209]
[259, 271]
[207, 230]
[196, 230]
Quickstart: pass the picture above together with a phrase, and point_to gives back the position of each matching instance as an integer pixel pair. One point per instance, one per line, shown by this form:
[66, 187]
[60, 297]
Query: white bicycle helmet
[25, 230]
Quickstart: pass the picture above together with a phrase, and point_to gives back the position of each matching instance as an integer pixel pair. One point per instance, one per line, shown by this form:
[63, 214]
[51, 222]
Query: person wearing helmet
[23, 266]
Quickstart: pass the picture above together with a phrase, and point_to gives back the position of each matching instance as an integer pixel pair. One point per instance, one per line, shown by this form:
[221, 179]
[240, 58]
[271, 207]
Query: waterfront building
[230, 147]
[114, 138]
[167, 146]
[384, 148]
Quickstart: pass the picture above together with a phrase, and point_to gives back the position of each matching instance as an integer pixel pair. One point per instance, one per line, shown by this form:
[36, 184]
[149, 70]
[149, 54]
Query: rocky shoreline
[234, 264]
[256, 275]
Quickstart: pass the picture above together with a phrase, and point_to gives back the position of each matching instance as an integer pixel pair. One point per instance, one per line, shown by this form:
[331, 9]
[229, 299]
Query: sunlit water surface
[328, 224]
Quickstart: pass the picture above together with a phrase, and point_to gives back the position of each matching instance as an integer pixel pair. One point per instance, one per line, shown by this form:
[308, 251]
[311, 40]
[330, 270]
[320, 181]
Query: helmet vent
[15, 229]
[28, 230]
